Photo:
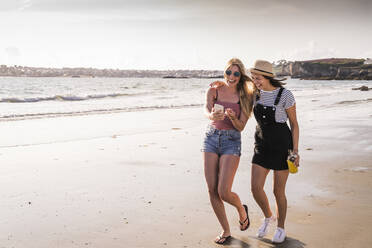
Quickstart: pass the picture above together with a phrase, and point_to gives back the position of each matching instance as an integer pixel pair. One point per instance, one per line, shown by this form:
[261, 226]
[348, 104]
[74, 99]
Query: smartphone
[218, 108]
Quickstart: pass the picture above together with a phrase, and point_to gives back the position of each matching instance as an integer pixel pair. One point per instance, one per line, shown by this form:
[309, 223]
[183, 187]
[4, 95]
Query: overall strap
[278, 96]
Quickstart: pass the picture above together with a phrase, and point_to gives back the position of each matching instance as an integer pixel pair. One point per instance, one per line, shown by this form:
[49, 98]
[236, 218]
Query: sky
[185, 34]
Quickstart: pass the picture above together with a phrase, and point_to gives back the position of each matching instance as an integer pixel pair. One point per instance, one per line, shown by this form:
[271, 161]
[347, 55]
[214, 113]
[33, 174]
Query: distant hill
[326, 69]
[24, 71]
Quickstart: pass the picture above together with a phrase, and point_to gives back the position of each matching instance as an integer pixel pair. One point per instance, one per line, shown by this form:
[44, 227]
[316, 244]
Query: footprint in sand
[357, 169]
[325, 202]
[330, 203]
[350, 192]
[305, 220]
[146, 145]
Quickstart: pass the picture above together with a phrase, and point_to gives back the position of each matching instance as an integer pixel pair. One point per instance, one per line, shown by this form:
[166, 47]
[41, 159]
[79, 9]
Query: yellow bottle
[291, 166]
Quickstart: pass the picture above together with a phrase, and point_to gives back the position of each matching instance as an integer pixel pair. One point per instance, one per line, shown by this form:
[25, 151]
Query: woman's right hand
[217, 84]
[217, 115]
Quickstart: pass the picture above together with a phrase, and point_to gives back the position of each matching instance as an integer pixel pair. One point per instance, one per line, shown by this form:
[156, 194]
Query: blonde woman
[222, 143]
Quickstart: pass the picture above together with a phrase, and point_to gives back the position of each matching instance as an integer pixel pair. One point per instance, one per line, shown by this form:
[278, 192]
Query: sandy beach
[135, 179]
[102, 120]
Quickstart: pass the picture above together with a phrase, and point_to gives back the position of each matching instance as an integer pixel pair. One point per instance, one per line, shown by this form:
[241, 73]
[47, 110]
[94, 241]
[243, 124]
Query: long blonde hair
[245, 87]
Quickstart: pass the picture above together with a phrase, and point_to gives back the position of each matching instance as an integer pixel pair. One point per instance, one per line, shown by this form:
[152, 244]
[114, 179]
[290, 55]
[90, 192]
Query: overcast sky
[171, 34]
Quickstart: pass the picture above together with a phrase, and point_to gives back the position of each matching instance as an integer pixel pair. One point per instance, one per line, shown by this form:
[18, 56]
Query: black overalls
[272, 139]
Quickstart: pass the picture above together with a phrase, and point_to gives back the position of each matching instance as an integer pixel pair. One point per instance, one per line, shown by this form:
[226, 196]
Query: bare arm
[291, 112]
[209, 112]
[238, 123]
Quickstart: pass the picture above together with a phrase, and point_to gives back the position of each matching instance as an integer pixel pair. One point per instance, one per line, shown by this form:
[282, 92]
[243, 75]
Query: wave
[17, 117]
[66, 98]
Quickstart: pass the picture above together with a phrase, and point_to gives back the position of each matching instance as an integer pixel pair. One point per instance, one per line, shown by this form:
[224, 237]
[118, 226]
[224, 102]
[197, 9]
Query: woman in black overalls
[273, 140]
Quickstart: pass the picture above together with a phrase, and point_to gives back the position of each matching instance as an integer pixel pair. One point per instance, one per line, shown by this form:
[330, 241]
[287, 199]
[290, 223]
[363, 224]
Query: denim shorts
[222, 141]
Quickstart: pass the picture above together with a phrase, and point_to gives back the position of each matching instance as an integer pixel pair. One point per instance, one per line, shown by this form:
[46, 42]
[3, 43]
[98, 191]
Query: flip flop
[247, 219]
[225, 239]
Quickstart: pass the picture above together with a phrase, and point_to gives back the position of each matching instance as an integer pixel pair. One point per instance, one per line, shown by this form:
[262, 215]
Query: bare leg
[258, 178]
[211, 170]
[280, 180]
[228, 166]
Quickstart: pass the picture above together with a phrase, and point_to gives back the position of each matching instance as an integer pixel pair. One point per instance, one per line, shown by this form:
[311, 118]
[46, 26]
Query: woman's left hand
[230, 113]
[297, 160]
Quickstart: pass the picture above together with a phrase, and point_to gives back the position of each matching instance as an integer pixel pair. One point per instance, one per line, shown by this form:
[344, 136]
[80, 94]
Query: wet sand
[136, 180]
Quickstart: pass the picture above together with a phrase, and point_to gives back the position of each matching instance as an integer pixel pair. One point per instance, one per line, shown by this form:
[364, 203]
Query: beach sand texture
[136, 179]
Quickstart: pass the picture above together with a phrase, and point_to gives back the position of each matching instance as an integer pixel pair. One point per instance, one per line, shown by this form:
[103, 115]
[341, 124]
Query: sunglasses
[229, 72]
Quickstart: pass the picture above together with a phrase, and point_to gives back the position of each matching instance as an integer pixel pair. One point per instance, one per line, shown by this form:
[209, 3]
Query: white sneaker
[262, 231]
[279, 235]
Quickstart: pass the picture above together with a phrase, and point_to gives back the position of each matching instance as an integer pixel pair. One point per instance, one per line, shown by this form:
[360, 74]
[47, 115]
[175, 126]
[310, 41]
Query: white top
[287, 100]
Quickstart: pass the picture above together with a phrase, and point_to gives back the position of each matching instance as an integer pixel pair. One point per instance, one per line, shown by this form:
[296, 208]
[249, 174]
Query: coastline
[135, 179]
[317, 69]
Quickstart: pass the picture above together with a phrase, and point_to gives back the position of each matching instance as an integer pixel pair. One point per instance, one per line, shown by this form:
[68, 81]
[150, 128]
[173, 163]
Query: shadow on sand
[252, 242]
[288, 243]
[237, 243]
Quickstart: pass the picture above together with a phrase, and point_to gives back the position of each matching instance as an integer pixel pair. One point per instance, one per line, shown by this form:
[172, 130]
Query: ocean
[32, 97]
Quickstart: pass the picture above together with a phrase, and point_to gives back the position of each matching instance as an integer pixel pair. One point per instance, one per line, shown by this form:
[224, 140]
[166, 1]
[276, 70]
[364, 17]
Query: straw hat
[263, 67]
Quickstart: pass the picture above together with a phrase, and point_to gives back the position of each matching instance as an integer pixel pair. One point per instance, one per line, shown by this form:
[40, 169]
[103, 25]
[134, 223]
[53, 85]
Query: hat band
[263, 71]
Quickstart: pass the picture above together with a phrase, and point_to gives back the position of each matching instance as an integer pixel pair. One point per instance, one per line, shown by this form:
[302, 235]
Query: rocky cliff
[326, 69]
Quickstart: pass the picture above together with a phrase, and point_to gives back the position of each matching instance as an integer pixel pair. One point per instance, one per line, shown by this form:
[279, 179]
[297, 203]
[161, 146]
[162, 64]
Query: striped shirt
[287, 100]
